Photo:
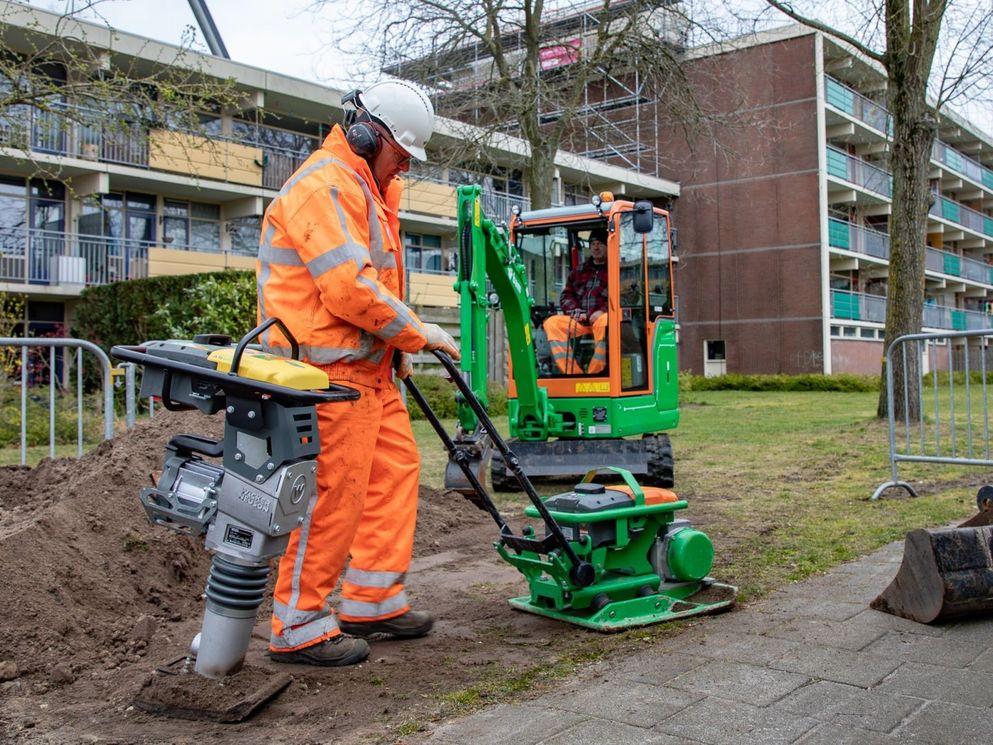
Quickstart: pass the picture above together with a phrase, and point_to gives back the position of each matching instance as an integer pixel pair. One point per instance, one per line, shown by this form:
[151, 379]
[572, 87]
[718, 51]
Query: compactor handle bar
[583, 573]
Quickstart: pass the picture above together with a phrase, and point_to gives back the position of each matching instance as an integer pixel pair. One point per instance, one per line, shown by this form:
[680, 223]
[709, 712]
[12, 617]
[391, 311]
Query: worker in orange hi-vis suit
[331, 267]
[584, 308]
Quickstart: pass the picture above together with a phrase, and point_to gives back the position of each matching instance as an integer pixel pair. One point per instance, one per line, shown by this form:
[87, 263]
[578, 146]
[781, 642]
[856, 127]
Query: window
[192, 225]
[129, 216]
[244, 232]
[716, 350]
[631, 292]
[422, 253]
[659, 281]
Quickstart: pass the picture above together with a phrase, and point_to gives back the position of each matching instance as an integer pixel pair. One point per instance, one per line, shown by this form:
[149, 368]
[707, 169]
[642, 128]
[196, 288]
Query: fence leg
[24, 406]
[129, 402]
[51, 403]
[79, 402]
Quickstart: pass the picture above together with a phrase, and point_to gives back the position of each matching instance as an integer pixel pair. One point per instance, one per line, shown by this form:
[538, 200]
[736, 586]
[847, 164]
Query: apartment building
[119, 203]
[784, 248]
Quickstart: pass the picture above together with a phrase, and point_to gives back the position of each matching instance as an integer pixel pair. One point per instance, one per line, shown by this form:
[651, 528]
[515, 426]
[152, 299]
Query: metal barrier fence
[79, 345]
[953, 400]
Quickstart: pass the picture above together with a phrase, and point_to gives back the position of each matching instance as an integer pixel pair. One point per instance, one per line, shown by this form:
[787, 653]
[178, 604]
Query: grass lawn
[782, 482]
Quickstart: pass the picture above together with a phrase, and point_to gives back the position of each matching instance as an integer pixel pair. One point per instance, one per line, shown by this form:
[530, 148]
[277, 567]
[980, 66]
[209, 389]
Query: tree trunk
[541, 176]
[914, 128]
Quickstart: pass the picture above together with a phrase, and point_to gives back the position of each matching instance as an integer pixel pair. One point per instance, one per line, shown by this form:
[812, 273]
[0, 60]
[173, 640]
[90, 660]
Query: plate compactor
[247, 505]
[611, 557]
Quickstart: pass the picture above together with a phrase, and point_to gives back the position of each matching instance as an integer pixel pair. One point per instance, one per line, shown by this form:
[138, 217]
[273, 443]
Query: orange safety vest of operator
[330, 266]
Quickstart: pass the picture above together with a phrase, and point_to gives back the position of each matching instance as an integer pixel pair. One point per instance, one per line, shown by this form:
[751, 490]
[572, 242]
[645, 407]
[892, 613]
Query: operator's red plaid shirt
[586, 289]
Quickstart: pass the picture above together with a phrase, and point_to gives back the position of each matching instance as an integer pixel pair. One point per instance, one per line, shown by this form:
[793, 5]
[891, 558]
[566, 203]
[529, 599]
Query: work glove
[405, 365]
[438, 338]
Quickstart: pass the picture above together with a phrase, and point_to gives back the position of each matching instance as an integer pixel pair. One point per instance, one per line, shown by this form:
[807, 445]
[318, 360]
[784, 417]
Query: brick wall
[748, 214]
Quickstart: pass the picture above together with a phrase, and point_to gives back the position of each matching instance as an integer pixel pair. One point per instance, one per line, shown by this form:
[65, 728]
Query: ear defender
[363, 139]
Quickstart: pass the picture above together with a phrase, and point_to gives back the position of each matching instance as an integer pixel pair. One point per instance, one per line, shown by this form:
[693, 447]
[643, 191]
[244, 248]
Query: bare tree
[54, 79]
[935, 47]
[531, 68]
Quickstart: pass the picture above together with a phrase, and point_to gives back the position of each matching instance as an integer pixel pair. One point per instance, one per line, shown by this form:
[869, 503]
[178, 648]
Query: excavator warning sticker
[476, 214]
[597, 387]
[527, 334]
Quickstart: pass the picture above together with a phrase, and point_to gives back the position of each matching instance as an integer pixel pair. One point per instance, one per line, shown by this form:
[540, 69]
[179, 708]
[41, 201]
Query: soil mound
[81, 563]
[88, 580]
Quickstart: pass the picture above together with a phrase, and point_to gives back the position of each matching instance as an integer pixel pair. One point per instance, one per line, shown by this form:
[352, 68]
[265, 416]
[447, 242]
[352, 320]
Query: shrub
[163, 307]
[440, 395]
[843, 382]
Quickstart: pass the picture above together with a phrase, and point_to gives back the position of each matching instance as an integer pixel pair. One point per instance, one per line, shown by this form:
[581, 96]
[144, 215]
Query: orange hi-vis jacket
[330, 267]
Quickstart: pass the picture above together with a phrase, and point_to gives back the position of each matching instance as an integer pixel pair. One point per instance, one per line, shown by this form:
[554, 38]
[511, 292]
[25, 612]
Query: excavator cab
[584, 389]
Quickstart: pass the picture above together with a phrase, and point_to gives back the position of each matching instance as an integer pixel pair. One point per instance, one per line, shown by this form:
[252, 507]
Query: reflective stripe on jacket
[330, 266]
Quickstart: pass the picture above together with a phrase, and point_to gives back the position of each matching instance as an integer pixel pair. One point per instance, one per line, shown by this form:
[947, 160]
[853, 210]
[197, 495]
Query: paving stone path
[811, 664]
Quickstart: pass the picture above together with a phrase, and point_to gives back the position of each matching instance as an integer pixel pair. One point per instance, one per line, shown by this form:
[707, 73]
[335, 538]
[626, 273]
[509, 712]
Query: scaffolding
[617, 117]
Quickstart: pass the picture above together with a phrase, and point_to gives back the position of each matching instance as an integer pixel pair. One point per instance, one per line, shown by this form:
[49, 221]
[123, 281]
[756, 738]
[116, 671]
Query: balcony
[851, 102]
[854, 238]
[857, 306]
[845, 167]
[951, 210]
[79, 132]
[54, 258]
[497, 205]
[848, 168]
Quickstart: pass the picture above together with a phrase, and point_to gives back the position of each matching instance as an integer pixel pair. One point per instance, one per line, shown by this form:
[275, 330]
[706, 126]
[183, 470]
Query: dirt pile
[88, 580]
[86, 576]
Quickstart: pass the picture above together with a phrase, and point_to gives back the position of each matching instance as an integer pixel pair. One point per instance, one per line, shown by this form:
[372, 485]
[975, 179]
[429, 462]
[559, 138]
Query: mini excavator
[564, 422]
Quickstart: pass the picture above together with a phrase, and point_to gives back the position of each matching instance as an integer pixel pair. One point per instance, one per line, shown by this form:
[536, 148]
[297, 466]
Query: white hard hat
[405, 110]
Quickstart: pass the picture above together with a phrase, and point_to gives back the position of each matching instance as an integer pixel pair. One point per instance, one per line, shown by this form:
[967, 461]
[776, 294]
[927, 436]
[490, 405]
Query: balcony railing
[853, 103]
[958, 213]
[76, 131]
[496, 204]
[956, 161]
[854, 238]
[857, 306]
[849, 168]
[51, 257]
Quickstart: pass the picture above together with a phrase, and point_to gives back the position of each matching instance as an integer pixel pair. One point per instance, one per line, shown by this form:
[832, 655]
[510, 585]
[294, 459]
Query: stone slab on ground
[807, 665]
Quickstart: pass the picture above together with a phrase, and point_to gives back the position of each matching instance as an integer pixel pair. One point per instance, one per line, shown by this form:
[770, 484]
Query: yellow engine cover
[269, 368]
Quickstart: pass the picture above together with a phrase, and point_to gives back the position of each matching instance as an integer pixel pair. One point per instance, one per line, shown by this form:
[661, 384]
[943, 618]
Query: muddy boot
[410, 625]
[334, 652]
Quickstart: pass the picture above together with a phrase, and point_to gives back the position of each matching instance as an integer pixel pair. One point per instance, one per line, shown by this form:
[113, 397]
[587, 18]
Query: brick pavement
[809, 665]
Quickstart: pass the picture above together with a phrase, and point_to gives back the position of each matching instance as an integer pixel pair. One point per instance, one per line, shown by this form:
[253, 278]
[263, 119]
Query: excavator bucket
[946, 574]
[476, 449]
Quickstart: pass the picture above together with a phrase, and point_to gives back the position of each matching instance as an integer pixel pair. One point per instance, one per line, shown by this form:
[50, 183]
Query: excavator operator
[584, 312]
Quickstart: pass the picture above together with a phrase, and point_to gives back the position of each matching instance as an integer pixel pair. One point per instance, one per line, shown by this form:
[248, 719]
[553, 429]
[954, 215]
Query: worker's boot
[410, 625]
[334, 652]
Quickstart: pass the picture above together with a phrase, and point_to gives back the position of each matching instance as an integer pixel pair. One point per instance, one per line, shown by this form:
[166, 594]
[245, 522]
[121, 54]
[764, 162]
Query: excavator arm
[486, 255]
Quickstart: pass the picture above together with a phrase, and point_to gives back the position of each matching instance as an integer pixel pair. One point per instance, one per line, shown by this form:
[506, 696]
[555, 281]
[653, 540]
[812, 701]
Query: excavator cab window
[659, 276]
[567, 344]
[632, 296]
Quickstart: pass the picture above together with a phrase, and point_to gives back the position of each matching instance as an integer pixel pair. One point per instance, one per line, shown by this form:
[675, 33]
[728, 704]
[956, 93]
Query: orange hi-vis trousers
[366, 507]
[562, 329]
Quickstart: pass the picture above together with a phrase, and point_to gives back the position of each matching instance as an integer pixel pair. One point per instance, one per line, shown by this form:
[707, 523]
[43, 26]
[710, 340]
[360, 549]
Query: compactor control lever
[582, 572]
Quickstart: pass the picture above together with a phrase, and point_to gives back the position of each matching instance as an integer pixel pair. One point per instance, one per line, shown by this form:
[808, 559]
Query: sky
[285, 36]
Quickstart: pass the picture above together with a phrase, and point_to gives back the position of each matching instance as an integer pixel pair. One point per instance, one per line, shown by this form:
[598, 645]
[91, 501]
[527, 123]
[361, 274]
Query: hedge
[167, 307]
[843, 382]
[440, 394]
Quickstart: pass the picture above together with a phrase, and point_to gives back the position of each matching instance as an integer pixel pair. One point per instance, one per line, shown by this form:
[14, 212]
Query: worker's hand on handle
[438, 338]
[405, 365]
